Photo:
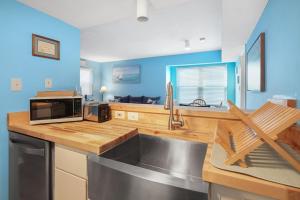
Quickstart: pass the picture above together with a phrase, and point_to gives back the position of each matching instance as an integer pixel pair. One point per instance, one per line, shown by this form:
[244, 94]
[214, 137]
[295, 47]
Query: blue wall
[153, 73]
[231, 82]
[280, 22]
[18, 22]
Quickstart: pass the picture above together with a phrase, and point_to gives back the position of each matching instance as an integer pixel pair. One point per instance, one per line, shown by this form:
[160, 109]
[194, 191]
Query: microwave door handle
[73, 108]
[28, 149]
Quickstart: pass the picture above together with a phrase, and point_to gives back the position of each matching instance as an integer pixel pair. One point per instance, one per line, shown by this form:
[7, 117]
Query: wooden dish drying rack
[262, 126]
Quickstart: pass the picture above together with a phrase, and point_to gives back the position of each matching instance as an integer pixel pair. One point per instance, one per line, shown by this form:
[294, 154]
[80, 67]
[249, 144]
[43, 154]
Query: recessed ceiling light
[187, 45]
[142, 10]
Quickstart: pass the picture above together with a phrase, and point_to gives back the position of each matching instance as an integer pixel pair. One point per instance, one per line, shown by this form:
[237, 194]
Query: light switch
[16, 84]
[48, 83]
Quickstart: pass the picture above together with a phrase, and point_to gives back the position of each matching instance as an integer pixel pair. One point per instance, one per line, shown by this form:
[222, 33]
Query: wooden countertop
[220, 113]
[244, 182]
[97, 138]
[85, 136]
[162, 131]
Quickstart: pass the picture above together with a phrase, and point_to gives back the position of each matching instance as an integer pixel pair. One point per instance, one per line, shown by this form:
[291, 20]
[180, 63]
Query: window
[208, 83]
[86, 81]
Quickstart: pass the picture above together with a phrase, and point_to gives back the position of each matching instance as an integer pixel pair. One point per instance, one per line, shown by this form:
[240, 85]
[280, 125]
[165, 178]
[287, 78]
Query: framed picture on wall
[255, 65]
[126, 74]
[45, 47]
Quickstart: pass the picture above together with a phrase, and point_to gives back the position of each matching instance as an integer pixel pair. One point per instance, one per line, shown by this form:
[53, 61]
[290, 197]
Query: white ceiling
[87, 13]
[110, 31]
[163, 34]
[239, 19]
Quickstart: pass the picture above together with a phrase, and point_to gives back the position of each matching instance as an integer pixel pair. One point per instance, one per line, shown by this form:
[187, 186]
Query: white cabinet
[70, 179]
[218, 192]
[71, 161]
[69, 186]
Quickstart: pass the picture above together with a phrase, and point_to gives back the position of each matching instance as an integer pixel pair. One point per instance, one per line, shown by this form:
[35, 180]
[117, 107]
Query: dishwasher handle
[28, 149]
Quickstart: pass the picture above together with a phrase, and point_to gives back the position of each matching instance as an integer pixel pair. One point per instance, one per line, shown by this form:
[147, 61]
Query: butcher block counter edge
[244, 182]
[96, 142]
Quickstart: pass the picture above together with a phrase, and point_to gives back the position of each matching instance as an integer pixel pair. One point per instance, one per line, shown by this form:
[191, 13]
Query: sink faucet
[169, 105]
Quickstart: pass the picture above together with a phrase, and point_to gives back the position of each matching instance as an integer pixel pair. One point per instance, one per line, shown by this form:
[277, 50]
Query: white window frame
[198, 86]
[86, 85]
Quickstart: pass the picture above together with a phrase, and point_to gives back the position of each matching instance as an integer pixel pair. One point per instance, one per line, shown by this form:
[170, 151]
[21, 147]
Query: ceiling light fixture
[142, 10]
[187, 45]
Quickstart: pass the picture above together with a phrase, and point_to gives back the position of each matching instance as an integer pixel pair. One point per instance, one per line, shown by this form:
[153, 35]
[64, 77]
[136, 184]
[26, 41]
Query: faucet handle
[181, 120]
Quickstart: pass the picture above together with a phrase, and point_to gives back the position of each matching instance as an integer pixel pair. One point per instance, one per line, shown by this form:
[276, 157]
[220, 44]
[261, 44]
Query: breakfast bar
[201, 125]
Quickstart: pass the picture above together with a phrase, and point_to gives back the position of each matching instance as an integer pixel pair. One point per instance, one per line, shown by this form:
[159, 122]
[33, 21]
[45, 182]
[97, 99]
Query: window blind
[208, 83]
[86, 81]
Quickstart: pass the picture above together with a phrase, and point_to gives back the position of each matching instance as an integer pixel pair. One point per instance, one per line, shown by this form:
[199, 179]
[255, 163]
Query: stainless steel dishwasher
[29, 168]
[148, 168]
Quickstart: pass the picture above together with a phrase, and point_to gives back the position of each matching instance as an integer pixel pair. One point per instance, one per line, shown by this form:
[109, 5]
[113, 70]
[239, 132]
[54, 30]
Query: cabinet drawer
[68, 186]
[71, 161]
[219, 192]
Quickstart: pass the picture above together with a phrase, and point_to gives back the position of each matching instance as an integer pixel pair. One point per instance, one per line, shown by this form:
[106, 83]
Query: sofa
[137, 99]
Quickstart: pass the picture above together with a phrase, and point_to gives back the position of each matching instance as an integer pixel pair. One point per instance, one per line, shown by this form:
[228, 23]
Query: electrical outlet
[134, 116]
[119, 114]
[48, 83]
[16, 84]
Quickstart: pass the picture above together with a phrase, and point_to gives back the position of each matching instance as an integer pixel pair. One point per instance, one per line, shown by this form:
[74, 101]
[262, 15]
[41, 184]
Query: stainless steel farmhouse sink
[148, 168]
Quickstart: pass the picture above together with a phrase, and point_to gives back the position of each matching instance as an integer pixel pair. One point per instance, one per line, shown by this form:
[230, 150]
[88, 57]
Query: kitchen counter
[162, 131]
[86, 136]
[97, 138]
[220, 113]
[244, 182]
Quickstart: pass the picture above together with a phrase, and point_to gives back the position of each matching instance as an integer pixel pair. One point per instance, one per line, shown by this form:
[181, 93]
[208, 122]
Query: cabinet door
[71, 161]
[68, 186]
[29, 168]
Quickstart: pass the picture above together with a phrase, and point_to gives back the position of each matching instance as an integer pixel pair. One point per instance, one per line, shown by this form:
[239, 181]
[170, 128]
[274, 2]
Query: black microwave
[45, 110]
